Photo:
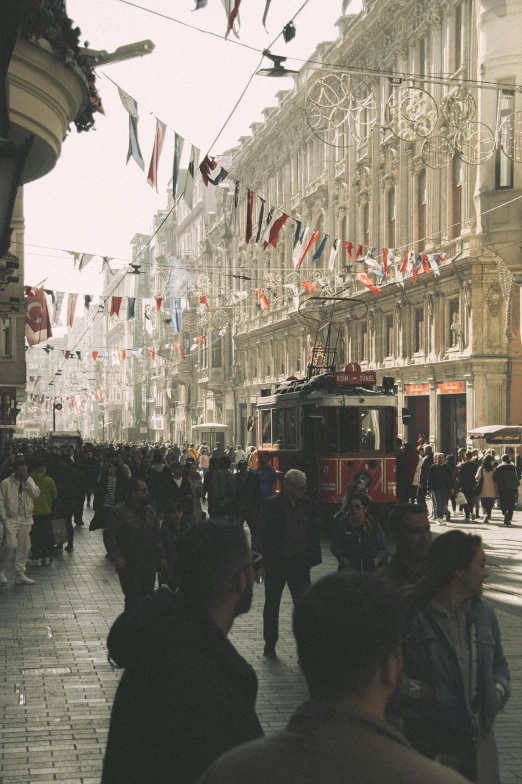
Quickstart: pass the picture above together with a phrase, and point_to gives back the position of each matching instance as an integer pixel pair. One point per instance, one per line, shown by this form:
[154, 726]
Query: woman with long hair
[439, 483]
[452, 647]
[488, 493]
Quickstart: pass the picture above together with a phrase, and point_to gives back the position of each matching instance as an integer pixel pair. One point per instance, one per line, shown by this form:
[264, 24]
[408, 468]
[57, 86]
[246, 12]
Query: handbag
[478, 487]
[59, 530]
[460, 499]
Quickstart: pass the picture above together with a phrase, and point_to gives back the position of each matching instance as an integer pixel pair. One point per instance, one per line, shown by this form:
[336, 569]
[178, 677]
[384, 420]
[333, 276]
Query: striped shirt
[110, 492]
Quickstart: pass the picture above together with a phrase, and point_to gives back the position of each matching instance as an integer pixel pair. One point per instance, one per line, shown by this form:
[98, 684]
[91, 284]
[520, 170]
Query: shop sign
[416, 389]
[357, 378]
[451, 388]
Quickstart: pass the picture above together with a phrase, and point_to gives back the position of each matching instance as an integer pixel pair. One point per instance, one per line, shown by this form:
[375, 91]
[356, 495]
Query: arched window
[456, 197]
[391, 218]
[421, 210]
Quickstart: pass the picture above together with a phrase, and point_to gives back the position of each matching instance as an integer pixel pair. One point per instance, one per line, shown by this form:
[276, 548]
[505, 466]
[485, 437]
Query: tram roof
[323, 390]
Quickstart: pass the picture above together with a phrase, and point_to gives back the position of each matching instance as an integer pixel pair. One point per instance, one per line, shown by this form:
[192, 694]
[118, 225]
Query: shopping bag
[59, 531]
[460, 499]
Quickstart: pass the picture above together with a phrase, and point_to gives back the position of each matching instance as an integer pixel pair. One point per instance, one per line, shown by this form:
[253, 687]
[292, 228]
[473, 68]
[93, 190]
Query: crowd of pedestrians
[402, 655]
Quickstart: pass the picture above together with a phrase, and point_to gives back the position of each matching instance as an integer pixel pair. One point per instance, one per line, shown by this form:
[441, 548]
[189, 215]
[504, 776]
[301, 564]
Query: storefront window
[349, 430]
[370, 429]
[266, 419]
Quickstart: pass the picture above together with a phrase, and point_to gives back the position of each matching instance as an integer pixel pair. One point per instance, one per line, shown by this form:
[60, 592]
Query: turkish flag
[37, 320]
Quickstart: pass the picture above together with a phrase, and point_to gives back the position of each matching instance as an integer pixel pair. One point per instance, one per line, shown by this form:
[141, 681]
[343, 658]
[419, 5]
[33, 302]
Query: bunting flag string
[134, 146]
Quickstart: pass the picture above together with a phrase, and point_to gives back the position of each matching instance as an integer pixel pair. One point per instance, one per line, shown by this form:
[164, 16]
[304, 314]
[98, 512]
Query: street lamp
[127, 52]
[12, 160]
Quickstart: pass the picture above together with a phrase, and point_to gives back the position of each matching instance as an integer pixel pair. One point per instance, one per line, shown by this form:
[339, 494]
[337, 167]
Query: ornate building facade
[451, 341]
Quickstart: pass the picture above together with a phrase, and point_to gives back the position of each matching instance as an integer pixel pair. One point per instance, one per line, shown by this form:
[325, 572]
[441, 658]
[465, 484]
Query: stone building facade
[452, 342]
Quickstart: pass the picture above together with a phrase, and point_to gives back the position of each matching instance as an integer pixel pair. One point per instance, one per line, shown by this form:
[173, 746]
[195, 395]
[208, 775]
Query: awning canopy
[498, 434]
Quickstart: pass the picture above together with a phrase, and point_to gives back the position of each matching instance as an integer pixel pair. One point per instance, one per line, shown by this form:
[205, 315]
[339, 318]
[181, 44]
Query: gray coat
[327, 745]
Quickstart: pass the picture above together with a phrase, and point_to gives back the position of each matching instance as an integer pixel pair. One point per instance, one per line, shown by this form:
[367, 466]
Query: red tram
[337, 428]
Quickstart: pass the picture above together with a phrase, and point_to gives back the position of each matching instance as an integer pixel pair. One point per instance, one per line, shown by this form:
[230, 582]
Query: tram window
[266, 421]
[370, 430]
[349, 429]
[390, 437]
[278, 425]
[290, 428]
[331, 430]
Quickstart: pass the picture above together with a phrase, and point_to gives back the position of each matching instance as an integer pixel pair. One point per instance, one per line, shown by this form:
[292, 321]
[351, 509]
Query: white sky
[92, 201]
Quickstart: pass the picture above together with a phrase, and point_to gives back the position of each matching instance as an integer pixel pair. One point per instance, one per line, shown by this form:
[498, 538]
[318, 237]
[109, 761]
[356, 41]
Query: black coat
[506, 477]
[270, 535]
[466, 478]
[185, 698]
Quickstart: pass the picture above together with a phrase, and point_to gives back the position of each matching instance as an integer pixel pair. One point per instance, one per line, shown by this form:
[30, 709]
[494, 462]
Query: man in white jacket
[17, 493]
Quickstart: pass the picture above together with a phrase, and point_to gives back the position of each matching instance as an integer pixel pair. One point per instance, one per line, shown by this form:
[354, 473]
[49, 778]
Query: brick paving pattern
[57, 687]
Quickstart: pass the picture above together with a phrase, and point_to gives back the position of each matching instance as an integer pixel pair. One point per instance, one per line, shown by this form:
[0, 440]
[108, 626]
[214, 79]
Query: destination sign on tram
[355, 379]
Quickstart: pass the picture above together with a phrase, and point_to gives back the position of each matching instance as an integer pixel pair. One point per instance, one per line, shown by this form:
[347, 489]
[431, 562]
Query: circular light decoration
[338, 104]
[190, 322]
[510, 136]
[220, 319]
[459, 107]
[475, 143]
[437, 152]
[411, 113]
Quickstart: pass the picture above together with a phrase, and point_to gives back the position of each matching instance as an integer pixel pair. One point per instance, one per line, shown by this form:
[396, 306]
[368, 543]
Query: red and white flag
[159, 139]
[263, 300]
[37, 319]
[359, 251]
[273, 229]
[123, 354]
[115, 306]
[204, 301]
[367, 281]
[152, 353]
[180, 349]
[95, 355]
[309, 244]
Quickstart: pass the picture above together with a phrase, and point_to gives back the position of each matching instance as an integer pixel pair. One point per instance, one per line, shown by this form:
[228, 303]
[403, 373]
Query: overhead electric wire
[436, 78]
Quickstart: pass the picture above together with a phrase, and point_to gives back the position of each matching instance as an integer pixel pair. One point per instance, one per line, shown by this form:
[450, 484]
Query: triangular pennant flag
[191, 174]
[85, 258]
[349, 247]
[152, 352]
[115, 306]
[201, 339]
[309, 244]
[131, 302]
[106, 267]
[435, 260]
[123, 353]
[387, 257]
[222, 175]
[310, 287]
[333, 255]
[260, 218]
[95, 355]
[180, 349]
[87, 299]
[274, 229]
[298, 248]
[134, 146]
[425, 262]
[263, 300]
[235, 208]
[159, 300]
[366, 281]
[67, 354]
[179, 141]
[161, 130]
[76, 257]
[204, 301]
[320, 250]
[71, 307]
[136, 352]
[359, 252]
[234, 11]
[50, 293]
[207, 165]
[298, 234]
[79, 355]
[250, 207]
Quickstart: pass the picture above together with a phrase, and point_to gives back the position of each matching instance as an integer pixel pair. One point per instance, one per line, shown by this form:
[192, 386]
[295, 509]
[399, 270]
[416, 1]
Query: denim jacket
[429, 656]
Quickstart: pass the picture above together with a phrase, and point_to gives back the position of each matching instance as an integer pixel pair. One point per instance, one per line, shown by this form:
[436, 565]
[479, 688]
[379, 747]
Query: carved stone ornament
[430, 306]
[398, 314]
[494, 298]
[507, 281]
[371, 321]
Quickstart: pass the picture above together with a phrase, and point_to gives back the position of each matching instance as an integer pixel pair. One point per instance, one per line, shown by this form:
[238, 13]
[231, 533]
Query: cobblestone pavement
[57, 687]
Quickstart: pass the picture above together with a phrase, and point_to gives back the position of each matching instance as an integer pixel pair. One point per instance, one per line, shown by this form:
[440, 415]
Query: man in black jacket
[287, 537]
[506, 477]
[186, 695]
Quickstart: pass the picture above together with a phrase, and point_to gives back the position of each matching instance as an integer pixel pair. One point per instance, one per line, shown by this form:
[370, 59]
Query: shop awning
[498, 434]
